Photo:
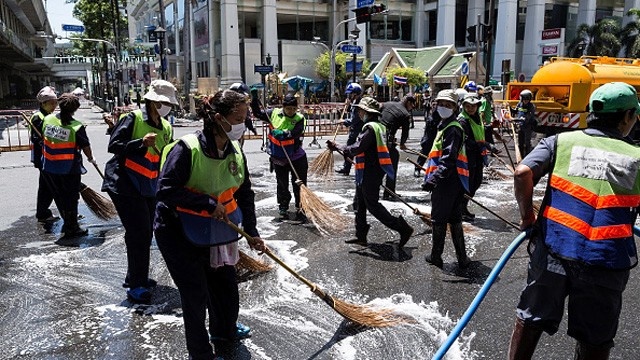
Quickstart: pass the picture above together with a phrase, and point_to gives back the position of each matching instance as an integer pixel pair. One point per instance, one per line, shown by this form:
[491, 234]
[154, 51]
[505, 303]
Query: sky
[59, 13]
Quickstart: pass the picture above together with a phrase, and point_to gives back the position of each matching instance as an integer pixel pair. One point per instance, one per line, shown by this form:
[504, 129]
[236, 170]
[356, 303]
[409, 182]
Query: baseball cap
[45, 94]
[614, 97]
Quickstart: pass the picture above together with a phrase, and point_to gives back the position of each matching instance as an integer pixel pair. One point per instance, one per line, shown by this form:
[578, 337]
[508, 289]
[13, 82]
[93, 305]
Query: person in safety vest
[131, 177]
[582, 244]
[475, 146]
[447, 178]
[431, 121]
[248, 122]
[525, 116]
[204, 182]
[372, 164]
[48, 102]
[396, 115]
[64, 137]
[355, 123]
[287, 127]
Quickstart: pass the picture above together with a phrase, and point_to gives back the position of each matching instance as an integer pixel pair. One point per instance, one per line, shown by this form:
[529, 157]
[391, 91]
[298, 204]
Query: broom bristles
[325, 218]
[365, 315]
[322, 166]
[251, 264]
[99, 205]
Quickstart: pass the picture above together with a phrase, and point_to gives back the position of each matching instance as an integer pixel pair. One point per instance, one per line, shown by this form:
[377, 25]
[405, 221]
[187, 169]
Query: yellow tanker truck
[561, 88]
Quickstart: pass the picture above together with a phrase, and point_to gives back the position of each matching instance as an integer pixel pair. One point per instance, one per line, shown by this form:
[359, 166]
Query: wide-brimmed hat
[369, 105]
[447, 95]
[45, 94]
[161, 91]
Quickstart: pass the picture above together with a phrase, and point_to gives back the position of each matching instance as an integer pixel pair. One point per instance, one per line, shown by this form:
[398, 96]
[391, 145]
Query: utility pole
[478, 33]
[488, 44]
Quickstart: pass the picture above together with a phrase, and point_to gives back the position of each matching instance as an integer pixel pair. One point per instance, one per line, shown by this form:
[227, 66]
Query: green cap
[369, 105]
[614, 97]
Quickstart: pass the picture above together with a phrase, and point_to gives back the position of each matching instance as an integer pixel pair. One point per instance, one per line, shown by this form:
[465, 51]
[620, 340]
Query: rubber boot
[589, 352]
[439, 233]
[457, 235]
[405, 231]
[361, 236]
[71, 229]
[524, 340]
[467, 215]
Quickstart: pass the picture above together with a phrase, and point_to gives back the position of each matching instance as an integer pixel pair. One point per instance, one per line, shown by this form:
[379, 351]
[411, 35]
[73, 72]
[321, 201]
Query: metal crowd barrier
[14, 130]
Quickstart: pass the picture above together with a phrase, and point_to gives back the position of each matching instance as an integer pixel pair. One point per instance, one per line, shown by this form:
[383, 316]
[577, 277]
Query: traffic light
[377, 9]
[471, 34]
[486, 33]
[364, 14]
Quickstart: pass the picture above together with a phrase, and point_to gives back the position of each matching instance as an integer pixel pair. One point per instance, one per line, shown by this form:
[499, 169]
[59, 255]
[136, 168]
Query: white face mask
[164, 110]
[236, 130]
[444, 112]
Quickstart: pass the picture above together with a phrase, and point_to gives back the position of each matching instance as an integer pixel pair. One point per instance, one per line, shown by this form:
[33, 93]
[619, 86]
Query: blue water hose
[464, 320]
[480, 296]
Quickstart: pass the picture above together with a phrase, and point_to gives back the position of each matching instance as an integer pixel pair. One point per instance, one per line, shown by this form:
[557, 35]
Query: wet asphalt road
[67, 302]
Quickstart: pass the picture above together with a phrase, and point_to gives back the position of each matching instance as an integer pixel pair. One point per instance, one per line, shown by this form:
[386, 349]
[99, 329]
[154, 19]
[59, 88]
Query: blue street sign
[464, 68]
[263, 69]
[351, 49]
[349, 66]
[363, 3]
[74, 28]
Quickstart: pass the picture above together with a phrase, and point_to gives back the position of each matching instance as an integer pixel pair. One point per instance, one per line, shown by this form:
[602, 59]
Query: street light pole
[160, 32]
[332, 77]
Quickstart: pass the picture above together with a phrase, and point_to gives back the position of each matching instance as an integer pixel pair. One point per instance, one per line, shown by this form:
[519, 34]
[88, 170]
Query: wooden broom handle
[274, 257]
[335, 134]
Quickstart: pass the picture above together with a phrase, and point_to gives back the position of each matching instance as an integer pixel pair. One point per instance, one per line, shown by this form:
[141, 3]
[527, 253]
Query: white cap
[161, 91]
[45, 94]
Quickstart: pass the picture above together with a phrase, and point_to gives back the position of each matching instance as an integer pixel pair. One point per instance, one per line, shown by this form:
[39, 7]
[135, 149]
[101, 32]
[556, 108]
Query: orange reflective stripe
[435, 154]
[202, 213]
[151, 157]
[58, 157]
[281, 143]
[151, 174]
[586, 230]
[431, 169]
[383, 148]
[462, 158]
[385, 161]
[64, 145]
[463, 172]
[591, 198]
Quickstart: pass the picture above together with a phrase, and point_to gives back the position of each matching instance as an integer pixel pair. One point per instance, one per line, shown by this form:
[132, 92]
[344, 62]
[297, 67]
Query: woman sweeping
[64, 137]
[131, 177]
[204, 183]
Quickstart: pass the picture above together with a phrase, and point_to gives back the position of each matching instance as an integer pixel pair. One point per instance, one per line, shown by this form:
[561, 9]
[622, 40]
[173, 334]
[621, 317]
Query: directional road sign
[263, 69]
[74, 28]
[362, 3]
[464, 69]
[351, 49]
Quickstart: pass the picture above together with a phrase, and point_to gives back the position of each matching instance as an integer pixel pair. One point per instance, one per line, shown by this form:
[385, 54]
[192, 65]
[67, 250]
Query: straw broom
[365, 315]
[323, 164]
[100, 206]
[321, 215]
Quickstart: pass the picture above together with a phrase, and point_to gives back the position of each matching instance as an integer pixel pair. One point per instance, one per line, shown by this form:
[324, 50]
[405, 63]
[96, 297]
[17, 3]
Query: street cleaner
[372, 163]
[582, 244]
[287, 126]
[447, 179]
[204, 182]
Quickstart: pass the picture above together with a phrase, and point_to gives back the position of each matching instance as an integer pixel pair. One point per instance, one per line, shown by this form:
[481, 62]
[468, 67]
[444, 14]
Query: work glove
[331, 145]
[278, 134]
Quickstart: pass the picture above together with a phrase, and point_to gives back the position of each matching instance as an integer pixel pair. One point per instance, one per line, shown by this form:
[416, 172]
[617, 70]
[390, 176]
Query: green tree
[99, 17]
[414, 76]
[601, 39]
[323, 66]
[630, 35]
